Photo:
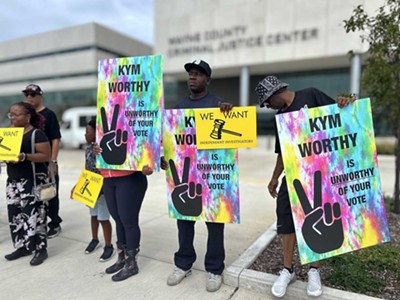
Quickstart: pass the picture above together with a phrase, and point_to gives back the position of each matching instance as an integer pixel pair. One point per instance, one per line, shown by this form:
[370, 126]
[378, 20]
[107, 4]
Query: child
[99, 214]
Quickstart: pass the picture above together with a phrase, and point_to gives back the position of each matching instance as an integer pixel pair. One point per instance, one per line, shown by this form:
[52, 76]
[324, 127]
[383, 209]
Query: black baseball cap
[199, 64]
[33, 88]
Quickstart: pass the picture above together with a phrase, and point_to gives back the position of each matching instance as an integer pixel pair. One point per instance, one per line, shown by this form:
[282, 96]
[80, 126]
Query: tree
[381, 75]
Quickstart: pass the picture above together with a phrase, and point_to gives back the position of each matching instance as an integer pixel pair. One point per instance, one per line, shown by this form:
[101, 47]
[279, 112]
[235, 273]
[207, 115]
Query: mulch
[271, 260]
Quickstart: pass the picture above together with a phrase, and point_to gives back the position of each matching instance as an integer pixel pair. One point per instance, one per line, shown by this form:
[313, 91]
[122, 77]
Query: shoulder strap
[33, 164]
[33, 151]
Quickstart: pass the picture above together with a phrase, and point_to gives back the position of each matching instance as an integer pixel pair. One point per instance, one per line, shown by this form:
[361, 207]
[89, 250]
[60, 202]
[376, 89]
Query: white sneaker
[177, 276]
[280, 285]
[314, 287]
[213, 282]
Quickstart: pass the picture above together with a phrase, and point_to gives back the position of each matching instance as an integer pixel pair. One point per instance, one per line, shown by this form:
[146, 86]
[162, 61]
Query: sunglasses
[32, 94]
[12, 115]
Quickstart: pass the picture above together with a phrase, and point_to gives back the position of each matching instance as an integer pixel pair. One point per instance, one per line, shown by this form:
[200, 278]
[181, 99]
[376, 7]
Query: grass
[349, 271]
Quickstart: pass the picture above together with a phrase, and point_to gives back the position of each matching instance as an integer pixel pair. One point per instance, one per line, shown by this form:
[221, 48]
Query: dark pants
[186, 255]
[284, 215]
[53, 208]
[124, 197]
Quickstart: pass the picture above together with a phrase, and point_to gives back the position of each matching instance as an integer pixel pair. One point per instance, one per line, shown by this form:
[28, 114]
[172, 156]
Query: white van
[73, 125]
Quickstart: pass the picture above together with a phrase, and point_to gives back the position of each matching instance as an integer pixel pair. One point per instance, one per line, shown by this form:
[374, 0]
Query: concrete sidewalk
[68, 273]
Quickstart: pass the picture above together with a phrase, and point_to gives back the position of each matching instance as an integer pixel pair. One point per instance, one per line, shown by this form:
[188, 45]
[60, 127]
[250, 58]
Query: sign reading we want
[334, 185]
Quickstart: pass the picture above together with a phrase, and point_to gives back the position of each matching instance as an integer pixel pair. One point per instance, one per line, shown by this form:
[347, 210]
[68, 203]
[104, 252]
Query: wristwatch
[54, 162]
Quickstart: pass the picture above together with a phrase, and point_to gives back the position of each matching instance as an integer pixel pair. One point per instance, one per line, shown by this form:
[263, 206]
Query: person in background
[273, 93]
[199, 78]
[26, 214]
[34, 96]
[99, 213]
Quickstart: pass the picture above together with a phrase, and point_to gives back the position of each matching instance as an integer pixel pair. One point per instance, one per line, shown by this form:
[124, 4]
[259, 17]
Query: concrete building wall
[301, 41]
[62, 60]
[265, 35]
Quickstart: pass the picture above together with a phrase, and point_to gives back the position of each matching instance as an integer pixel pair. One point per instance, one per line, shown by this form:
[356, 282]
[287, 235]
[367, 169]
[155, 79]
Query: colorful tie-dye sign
[129, 104]
[201, 184]
[220, 130]
[330, 162]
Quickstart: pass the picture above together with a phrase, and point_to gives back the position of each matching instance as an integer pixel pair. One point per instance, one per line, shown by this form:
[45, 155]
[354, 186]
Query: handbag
[43, 191]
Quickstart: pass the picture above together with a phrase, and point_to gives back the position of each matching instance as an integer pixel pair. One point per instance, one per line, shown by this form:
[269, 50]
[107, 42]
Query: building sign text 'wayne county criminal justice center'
[233, 38]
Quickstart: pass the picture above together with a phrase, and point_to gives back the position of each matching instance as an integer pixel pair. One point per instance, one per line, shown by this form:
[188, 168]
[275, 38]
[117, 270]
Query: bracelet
[54, 162]
[23, 156]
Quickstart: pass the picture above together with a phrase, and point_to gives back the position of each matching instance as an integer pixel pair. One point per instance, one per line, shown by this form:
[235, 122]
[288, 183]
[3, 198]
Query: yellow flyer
[88, 188]
[221, 130]
[10, 143]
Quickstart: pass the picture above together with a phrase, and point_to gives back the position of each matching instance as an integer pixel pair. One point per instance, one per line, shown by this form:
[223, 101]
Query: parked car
[73, 125]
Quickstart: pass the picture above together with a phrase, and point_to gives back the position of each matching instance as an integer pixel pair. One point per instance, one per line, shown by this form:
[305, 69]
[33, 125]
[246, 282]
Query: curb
[239, 276]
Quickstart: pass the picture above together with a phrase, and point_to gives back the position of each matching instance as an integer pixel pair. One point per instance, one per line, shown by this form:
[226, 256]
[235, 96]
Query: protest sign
[88, 188]
[236, 128]
[10, 143]
[201, 184]
[333, 180]
[129, 104]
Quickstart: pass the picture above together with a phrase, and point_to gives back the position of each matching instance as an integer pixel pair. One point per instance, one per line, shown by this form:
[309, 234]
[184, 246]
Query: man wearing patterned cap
[273, 93]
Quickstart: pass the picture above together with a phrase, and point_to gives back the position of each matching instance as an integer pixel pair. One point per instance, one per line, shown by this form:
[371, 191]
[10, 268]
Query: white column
[355, 74]
[244, 86]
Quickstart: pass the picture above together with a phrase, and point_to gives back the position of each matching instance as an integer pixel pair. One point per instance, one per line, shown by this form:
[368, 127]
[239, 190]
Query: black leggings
[124, 197]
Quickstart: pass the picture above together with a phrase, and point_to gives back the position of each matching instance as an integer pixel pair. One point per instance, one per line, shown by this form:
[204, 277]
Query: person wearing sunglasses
[34, 96]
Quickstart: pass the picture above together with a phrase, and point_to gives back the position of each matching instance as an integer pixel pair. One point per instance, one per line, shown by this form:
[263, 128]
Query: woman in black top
[27, 215]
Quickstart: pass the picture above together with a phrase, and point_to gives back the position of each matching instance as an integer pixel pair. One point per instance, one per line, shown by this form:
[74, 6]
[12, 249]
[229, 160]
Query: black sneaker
[108, 253]
[39, 257]
[93, 245]
[20, 252]
[53, 232]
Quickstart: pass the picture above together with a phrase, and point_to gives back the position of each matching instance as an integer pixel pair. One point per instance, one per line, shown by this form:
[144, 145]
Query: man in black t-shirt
[273, 93]
[198, 81]
[34, 95]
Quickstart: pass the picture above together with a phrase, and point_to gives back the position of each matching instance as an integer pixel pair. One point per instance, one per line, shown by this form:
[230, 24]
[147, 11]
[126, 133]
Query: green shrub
[388, 200]
[359, 271]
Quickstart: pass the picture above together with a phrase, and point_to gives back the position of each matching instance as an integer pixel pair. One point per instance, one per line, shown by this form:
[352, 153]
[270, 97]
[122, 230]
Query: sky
[20, 18]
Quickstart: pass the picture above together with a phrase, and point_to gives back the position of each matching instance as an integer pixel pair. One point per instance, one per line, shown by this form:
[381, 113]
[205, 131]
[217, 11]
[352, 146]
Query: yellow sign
[220, 130]
[88, 188]
[10, 143]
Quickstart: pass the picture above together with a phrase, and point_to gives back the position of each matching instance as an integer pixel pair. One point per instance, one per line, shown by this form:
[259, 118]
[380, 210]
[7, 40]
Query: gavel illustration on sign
[219, 128]
[85, 188]
[2, 146]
